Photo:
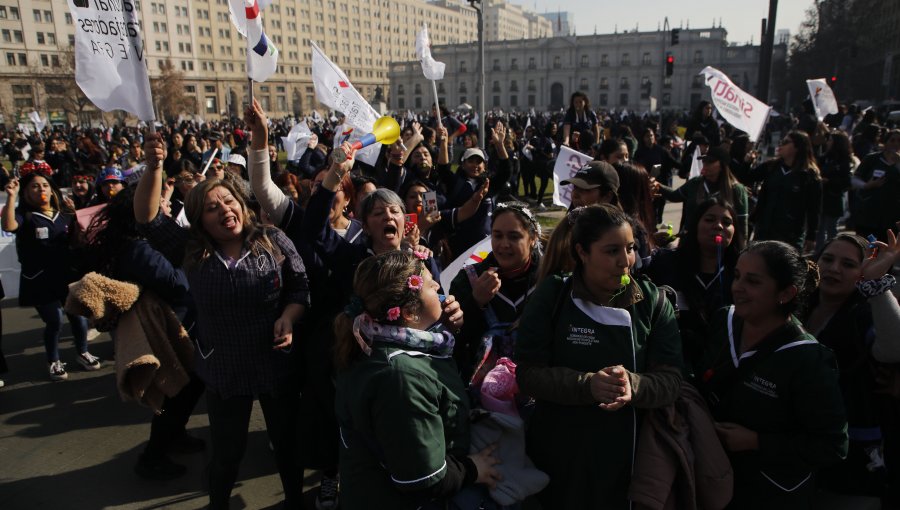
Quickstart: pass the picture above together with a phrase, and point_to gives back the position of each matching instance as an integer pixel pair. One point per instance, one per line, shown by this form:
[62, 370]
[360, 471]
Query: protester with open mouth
[854, 313]
[249, 287]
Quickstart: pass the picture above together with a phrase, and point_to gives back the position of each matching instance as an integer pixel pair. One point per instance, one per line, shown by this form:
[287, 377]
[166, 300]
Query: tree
[169, 94]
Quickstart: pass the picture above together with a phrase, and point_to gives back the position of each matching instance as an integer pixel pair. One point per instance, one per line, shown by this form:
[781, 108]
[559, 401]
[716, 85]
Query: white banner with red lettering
[737, 107]
[568, 163]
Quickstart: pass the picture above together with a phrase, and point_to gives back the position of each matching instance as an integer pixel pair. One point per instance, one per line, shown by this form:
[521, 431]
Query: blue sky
[740, 17]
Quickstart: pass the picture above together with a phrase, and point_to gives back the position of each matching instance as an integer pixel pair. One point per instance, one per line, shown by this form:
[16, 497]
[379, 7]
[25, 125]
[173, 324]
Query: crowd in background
[547, 371]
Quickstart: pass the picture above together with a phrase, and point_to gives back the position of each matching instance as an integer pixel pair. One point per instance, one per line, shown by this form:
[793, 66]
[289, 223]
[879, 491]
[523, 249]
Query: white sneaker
[92, 334]
[58, 371]
[89, 361]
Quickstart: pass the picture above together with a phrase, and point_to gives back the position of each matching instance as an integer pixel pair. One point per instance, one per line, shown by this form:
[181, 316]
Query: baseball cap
[716, 154]
[237, 159]
[111, 173]
[474, 151]
[594, 175]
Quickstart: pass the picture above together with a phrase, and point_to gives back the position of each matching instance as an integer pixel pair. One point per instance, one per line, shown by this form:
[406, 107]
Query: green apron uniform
[400, 413]
[588, 452]
[787, 391]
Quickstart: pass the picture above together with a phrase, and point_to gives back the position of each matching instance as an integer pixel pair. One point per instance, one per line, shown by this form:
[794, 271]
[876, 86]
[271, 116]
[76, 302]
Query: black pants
[229, 420]
[169, 426]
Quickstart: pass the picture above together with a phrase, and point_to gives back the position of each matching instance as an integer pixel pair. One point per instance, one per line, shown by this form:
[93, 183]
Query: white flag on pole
[433, 69]
[36, 119]
[696, 164]
[822, 96]
[568, 163]
[109, 57]
[471, 256]
[262, 58]
[296, 141]
[334, 90]
[737, 107]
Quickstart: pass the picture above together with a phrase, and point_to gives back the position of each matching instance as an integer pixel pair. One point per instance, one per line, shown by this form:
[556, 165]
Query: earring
[415, 318]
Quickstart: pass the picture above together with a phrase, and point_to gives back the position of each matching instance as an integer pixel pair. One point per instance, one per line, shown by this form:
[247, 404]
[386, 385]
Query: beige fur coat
[153, 351]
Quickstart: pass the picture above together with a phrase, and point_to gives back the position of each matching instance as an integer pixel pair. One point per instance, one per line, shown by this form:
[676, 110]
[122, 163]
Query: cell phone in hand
[878, 174]
[411, 221]
[65, 193]
[429, 198]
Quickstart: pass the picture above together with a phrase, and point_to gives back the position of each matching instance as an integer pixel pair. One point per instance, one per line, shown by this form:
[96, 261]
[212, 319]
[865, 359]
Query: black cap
[716, 154]
[594, 175]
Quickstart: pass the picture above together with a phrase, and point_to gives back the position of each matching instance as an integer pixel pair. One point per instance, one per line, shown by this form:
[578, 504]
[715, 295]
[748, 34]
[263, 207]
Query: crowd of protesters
[743, 358]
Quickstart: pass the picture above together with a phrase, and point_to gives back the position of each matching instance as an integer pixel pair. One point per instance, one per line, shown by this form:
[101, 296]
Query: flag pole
[248, 50]
[437, 104]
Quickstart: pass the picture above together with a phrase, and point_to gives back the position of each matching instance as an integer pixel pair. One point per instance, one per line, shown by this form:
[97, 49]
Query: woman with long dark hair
[120, 252]
[836, 167]
[249, 287]
[700, 270]
[580, 118]
[46, 238]
[790, 199]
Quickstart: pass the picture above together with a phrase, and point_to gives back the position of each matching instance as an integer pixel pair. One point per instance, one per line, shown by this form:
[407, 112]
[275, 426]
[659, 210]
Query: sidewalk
[73, 444]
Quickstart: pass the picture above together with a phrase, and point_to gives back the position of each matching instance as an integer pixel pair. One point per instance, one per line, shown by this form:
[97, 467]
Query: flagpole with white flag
[823, 100]
[248, 50]
[432, 69]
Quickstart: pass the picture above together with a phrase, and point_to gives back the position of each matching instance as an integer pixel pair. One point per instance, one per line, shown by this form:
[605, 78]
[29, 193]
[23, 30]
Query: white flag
[471, 256]
[822, 96]
[568, 163]
[262, 54]
[36, 119]
[696, 164]
[737, 107]
[109, 57]
[433, 69]
[297, 140]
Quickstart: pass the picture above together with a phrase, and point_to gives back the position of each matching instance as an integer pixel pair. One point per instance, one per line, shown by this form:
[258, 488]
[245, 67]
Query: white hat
[237, 159]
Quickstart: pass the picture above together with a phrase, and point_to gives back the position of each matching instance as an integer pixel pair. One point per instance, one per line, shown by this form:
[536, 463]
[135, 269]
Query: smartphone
[66, 193]
[411, 221]
[878, 174]
[429, 198]
[655, 170]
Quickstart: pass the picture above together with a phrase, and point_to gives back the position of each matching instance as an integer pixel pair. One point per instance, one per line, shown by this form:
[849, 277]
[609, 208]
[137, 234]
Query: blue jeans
[51, 313]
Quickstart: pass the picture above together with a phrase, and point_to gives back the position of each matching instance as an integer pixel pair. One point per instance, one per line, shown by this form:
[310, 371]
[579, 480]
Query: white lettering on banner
[568, 163]
[737, 107]
[109, 56]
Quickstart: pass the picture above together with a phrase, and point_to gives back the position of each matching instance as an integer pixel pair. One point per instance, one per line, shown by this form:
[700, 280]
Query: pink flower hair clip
[393, 313]
[421, 255]
[415, 282]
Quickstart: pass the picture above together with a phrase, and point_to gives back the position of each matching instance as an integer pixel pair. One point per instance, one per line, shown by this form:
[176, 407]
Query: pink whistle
[718, 239]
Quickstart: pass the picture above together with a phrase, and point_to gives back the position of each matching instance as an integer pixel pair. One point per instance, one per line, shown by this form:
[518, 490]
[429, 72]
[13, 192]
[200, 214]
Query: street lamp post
[482, 124]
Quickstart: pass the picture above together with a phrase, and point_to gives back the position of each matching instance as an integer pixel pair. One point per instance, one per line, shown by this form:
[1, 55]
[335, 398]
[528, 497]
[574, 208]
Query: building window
[462, 87]
[557, 62]
[623, 83]
[626, 59]
[22, 90]
[496, 64]
[645, 59]
[514, 64]
[667, 82]
[531, 64]
[604, 83]
[401, 103]
[667, 99]
[583, 85]
[37, 15]
[3, 14]
[513, 100]
[604, 60]
[623, 99]
[531, 101]
[584, 61]
[698, 57]
[418, 103]
[698, 82]
[462, 66]
[400, 90]
[513, 86]
[14, 13]
[211, 104]
[496, 87]
[40, 38]
[417, 88]
[604, 100]
[496, 102]
[531, 87]
[23, 59]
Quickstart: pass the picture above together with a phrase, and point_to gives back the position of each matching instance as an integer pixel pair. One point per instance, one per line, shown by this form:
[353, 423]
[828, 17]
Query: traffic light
[833, 80]
[670, 65]
[675, 33]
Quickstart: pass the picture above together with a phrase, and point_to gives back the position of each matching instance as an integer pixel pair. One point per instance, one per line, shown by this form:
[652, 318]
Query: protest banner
[822, 97]
[737, 107]
[110, 66]
[473, 255]
[567, 164]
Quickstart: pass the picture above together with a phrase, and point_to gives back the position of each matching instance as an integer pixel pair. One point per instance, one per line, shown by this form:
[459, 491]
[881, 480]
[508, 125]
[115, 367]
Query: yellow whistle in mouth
[625, 280]
[112, 193]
